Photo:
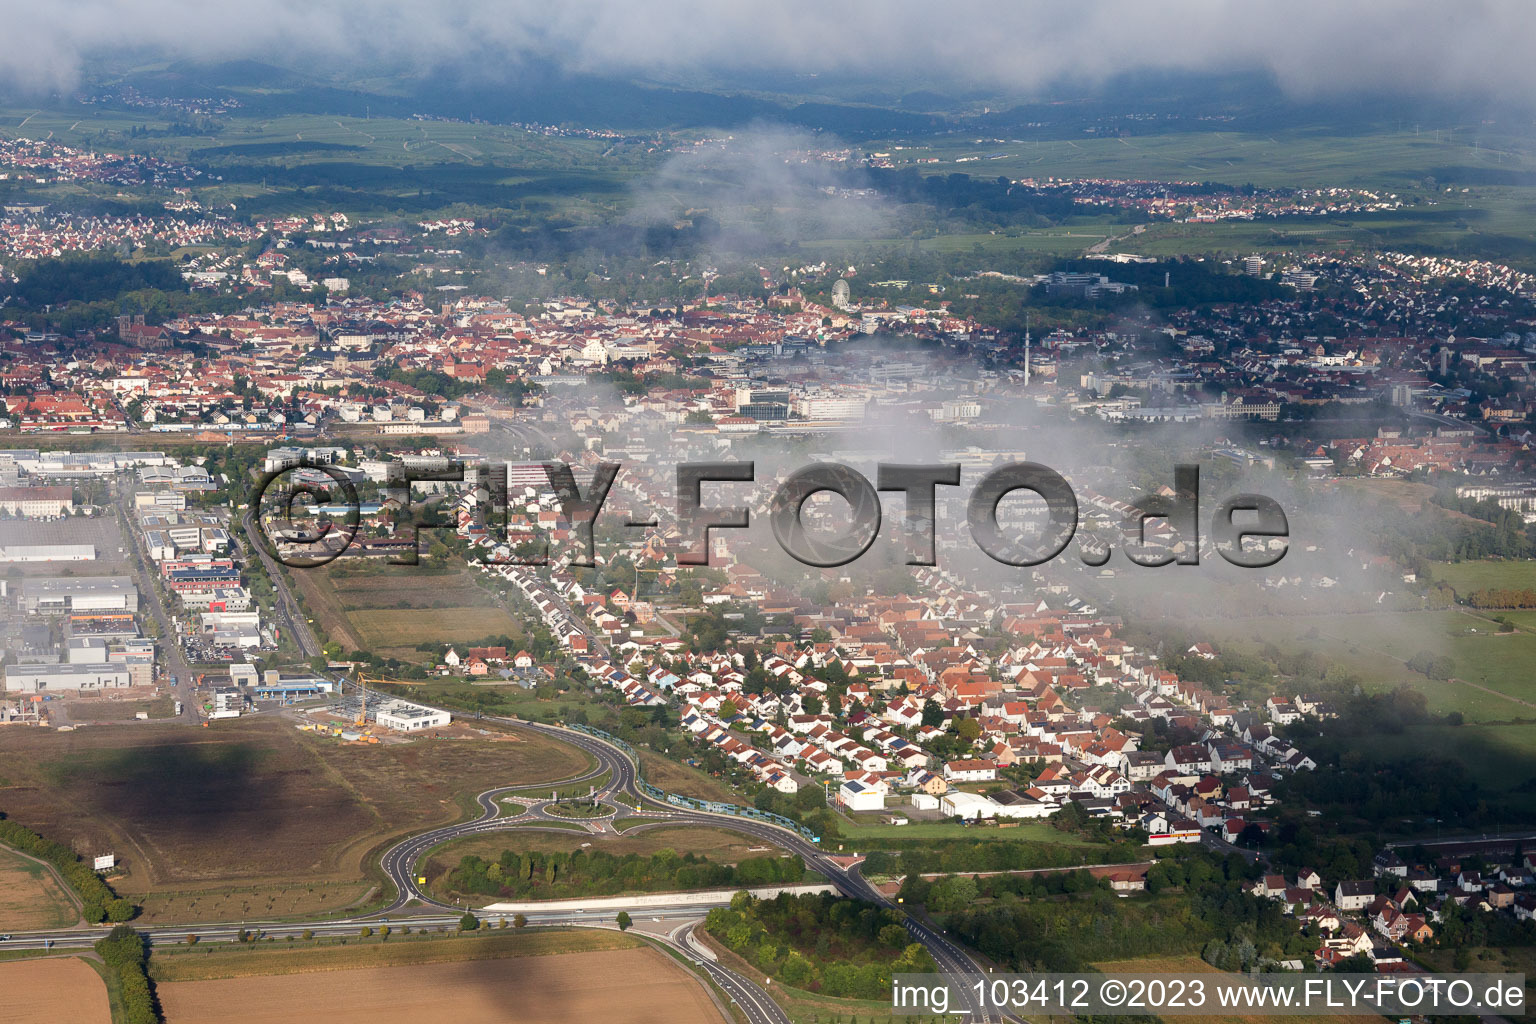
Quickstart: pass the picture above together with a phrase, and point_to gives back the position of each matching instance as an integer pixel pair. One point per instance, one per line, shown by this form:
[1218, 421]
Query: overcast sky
[1449, 48]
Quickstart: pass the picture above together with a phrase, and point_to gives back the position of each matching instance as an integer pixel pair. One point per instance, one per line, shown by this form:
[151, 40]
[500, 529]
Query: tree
[469, 922]
[366, 933]
[307, 934]
[192, 940]
[519, 921]
[624, 921]
[933, 714]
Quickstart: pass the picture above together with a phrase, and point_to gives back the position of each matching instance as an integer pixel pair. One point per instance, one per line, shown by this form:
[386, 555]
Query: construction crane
[362, 707]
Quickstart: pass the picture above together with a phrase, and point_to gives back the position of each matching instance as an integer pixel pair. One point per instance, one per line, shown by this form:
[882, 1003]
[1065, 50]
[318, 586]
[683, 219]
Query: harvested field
[60, 991]
[212, 963]
[638, 986]
[31, 897]
[252, 807]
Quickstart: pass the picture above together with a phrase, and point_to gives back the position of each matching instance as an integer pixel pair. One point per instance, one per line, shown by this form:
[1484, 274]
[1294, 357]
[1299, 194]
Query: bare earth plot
[637, 986]
[31, 897]
[64, 991]
[249, 816]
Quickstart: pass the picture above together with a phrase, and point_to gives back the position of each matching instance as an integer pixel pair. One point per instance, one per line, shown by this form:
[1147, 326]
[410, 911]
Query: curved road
[400, 860]
[399, 864]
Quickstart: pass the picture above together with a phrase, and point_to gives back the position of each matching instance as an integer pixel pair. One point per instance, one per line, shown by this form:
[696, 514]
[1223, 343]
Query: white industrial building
[403, 716]
[971, 806]
[67, 678]
[857, 796]
[47, 552]
[59, 594]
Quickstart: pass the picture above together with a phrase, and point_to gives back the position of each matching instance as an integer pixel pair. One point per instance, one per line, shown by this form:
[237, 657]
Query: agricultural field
[1305, 157]
[301, 163]
[636, 984]
[1487, 574]
[391, 610]
[1169, 965]
[63, 990]
[31, 896]
[214, 962]
[251, 816]
[1490, 683]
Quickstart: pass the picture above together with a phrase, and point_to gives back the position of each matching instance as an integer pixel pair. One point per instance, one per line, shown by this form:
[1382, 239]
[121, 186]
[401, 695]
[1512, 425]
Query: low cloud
[1478, 48]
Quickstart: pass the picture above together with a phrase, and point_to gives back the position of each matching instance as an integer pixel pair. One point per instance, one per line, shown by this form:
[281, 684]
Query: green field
[1298, 157]
[1025, 831]
[1376, 646]
[1488, 574]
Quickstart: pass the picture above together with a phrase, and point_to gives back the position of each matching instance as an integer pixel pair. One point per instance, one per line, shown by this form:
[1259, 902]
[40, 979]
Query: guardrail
[693, 804]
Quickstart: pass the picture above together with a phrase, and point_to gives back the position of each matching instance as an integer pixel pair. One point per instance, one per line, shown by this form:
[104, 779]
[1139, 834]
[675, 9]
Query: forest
[595, 873]
[841, 947]
[1194, 901]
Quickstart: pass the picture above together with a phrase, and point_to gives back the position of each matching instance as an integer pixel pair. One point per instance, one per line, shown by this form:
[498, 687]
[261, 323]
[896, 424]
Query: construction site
[363, 713]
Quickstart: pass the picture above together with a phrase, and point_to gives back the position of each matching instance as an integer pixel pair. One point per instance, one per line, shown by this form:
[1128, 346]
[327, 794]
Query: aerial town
[763, 544]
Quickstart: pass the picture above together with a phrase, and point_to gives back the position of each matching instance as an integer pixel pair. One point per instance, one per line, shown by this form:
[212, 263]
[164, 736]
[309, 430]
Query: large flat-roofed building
[66, 678]
[403, 716]
[60, 594]
[47, 552]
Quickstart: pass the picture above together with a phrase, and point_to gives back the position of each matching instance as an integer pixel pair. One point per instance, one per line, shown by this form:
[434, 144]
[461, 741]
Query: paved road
[173, 661]
[400, 861]
[289, 617]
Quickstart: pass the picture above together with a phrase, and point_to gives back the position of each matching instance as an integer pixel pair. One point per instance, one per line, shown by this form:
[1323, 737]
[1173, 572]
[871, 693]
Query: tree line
[124, 953]
[96, 896]
[955, 856]
[821, 943]
[596, 873]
